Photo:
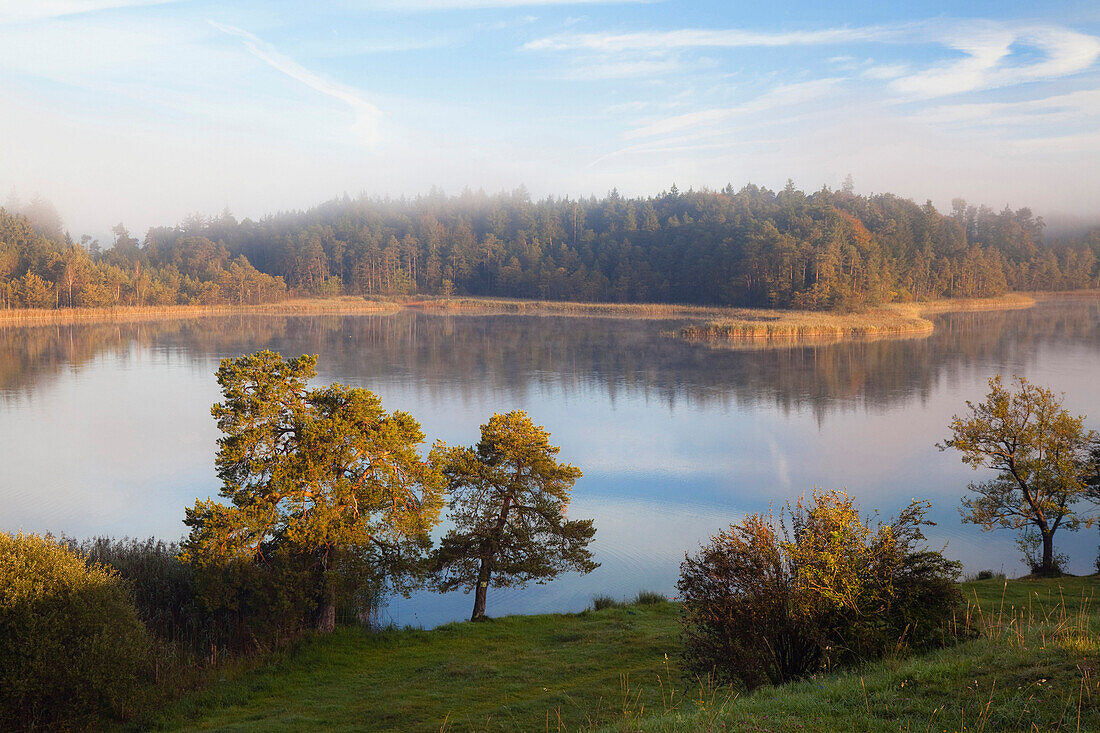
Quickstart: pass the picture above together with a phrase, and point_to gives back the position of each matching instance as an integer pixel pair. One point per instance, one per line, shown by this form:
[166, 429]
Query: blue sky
[148, 111]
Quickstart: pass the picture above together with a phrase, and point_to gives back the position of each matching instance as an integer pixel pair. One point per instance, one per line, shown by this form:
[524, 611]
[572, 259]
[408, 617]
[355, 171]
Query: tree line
[749, 247]
[38, 269]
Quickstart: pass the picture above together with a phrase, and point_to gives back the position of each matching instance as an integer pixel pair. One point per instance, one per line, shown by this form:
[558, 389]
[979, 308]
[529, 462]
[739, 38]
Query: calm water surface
[106, 429]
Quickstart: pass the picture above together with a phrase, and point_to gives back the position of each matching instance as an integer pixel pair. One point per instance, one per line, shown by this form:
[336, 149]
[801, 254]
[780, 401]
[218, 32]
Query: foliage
[41, 269]
[1038, 450]
[203, 615]
[163, 587]
[770, 603]
[71, 646]
[326, 491]
[752, 247]
[508, 502]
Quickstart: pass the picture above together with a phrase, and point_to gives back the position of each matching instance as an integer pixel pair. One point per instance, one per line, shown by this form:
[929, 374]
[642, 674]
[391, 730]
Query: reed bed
[725, 323]
[131, 314]
[746, 325]
[492, 306]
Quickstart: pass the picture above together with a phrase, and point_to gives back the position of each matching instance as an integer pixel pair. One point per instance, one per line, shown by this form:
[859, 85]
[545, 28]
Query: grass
[512, 673]
[1026, 660]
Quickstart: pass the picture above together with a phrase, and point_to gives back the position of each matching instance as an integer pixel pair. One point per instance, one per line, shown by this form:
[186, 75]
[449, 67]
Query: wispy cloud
[991, 59]
[1074, 107]
[994, 55]
[23, 10]
[700, 38]
[787, 95]
[366, 114]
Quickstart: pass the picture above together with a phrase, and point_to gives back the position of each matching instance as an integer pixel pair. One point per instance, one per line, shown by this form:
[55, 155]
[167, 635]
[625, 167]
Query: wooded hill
[753, 247]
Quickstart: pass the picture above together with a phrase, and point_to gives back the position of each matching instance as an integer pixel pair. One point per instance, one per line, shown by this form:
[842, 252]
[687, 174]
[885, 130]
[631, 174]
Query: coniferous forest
[752, 247]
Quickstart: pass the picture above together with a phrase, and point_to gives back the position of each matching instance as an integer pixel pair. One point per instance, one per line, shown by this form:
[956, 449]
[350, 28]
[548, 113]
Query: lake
[106, 428]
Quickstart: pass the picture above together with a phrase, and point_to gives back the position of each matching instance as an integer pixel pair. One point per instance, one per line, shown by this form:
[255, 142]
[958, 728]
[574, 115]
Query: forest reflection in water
[106, 427]
[518, 353]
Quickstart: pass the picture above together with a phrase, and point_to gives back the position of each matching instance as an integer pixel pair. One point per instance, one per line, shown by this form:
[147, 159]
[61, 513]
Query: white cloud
[988, 62]
[990, 51]
[366, 114]
[885, 71]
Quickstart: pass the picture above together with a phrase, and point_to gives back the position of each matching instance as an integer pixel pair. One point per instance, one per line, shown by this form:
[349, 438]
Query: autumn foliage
[769, 601]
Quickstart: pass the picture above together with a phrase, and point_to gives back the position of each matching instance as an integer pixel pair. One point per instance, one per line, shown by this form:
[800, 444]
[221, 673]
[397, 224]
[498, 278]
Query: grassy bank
[513, 673]
[888, 320]
[1026, 660]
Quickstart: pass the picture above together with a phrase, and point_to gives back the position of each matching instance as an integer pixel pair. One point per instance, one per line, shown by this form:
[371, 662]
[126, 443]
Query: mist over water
[106, 428]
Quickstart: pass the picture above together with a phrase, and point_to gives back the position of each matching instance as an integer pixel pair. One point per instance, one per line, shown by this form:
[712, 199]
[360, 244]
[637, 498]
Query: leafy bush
[71, 645]
[766, 603]
[256, 605]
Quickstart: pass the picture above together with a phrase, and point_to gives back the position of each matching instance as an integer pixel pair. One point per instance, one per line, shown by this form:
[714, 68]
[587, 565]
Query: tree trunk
[326, 615]
[480, 591]
[1048, 554]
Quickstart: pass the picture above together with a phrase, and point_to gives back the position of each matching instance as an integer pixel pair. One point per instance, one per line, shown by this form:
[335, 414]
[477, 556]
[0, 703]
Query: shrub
[163, 587]
[766, 603]
[601, 602]
[71, 645]
[204, 613]
[648, 597]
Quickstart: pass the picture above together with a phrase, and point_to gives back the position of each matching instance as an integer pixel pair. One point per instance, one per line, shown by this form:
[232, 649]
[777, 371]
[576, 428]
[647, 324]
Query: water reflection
[106, 428]
[472, 354]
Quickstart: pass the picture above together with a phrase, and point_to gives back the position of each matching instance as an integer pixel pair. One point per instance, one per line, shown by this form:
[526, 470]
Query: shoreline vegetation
[888, 321]
[1021, 657]
[715, 325]
[346, 305]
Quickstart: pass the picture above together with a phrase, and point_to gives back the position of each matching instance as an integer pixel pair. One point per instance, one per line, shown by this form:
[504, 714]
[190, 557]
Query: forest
[751, 247]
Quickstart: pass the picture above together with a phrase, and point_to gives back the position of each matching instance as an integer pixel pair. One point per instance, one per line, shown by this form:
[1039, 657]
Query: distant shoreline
[716, 324]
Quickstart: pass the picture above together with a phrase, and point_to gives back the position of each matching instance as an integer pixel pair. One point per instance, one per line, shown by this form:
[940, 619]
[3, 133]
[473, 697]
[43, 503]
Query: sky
[148, 111]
